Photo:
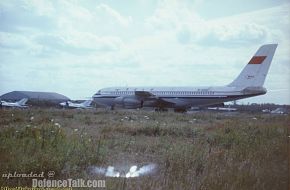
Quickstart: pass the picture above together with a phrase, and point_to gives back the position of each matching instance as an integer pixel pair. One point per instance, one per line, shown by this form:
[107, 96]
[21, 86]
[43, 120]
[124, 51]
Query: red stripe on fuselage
[257, 59]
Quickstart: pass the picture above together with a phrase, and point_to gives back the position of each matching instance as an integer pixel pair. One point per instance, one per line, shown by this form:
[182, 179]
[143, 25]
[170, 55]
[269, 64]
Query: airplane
[18, 104]
[84, 105]
[278, 111]
[248, 83]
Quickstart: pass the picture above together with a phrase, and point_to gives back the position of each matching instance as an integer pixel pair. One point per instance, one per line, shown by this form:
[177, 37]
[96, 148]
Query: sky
[78, 47]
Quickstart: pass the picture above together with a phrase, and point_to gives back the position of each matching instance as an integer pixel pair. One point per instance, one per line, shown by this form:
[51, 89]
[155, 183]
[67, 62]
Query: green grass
[193, 151]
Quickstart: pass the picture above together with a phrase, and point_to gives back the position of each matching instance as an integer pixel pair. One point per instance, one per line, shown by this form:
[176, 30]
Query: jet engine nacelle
[128, 102]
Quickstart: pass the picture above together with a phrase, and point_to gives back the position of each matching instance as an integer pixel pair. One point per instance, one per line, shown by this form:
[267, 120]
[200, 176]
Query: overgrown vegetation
[203, 150]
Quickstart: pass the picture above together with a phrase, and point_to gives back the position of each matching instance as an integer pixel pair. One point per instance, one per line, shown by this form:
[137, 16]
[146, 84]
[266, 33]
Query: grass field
[202, 150]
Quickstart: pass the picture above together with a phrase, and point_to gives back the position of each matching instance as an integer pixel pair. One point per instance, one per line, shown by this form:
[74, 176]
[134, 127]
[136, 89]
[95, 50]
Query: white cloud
[40, 7]
[107, 12]
[224, 34]
[249, 28]
[17, 15]
[173, 14]
[13, 41]
[77, 43]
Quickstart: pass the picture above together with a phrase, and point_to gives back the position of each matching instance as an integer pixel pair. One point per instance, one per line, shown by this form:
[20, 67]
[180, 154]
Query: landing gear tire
[112, 107]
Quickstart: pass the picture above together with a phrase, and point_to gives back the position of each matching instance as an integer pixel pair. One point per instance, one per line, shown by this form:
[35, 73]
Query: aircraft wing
[149, 96]
[144, 94]
[163, 103]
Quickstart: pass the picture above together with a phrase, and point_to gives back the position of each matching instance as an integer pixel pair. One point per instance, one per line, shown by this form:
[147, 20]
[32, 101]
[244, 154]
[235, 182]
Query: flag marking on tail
[257, 59]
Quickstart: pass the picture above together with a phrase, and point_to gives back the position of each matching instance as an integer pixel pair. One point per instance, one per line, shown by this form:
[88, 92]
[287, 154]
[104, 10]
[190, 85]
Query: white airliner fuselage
[249, 83]
[174, 97]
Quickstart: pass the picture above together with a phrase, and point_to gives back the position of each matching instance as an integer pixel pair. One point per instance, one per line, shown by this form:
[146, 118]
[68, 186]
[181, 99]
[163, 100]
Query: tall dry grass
[203, 150]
